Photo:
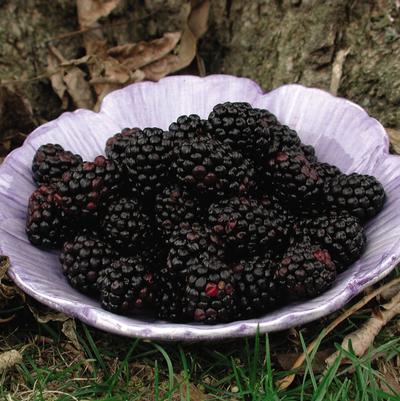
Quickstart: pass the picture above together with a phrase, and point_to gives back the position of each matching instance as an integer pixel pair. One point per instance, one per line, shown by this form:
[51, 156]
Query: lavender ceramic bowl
[341, 131]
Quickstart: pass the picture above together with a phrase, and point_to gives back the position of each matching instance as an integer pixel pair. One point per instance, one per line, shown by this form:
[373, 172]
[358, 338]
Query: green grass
[113, 368]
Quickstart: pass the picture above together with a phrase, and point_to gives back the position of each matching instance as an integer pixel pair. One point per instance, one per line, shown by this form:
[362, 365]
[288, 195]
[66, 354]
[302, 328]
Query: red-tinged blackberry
[242, 127]
[187, 128]
[148, 161]
[209, 168]
[305, 270]
[210, 292]
[187, 243]
[117, 144]
[126, 286]
[256, 290]
[340, 233]
[362, 195]
[83, 259]
[45, 223]
[126, 226]
[309, 153]
[245, 226]
[51, 161]
[82, 191]
[173, 206]
[168, 296]
[296, 182]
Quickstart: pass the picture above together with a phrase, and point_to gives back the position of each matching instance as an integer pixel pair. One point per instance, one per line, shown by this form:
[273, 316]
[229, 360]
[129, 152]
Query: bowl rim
[194, 332]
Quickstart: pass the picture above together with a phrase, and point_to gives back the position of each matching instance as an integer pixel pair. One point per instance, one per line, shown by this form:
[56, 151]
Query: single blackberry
[187, 128]
[327, 171]
[127, 226]
[256, 290]
[245, 226]
[242, 127]
[83, 259]
[126, 285]
[296, 182]
[148, 161]
[45, 223]
[210, 294]
[173, 206]
[51, 161]
[309, 153]
[82, 191]
[340, 233]
[209, 168]
[168, 296]
[305, 270]
[117, 144]
[187, 244]
[362, 195]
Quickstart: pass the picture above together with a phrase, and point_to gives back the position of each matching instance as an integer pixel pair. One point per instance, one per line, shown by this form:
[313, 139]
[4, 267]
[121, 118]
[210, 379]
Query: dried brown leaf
[198, 18]
[46, 315]
[56, 78]
[362, 338]
[137, 55]
[4, 265]
[337, 69]
[9, 358]
[69, 330]
[318, 363]
[394, 136]
[90, 11]
[78, 88]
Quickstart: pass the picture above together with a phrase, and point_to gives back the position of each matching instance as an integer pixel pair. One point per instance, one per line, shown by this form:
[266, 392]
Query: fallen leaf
[46, 315]
[90, 11]
[286, 360]
[390, 381]
[8, 359]
[394, 136]
[362, 338]
[78, 88]
[4, 265]
[56, 78]
[288, 380]
[198, 18]
[137, 55]
[337, 69]
[69, 330]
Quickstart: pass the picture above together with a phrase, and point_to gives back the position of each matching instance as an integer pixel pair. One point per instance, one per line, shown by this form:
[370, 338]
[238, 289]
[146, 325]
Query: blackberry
[305, 270]
[245, 226]
[168, 296]
[173, 206]
[242, 127]
[187, 128]
[84, 190]
[309, 153]
[283, 139]
[209, 168]
[45, 223]
[327, 171]
[51, 161]
[256, 290]
[148, 161]
[116, 145]
[362, 195]
[187, 244]
[340, 233]
[126, 226]
[209, 294]
[126, 285]
[83, 259]
[296, 182]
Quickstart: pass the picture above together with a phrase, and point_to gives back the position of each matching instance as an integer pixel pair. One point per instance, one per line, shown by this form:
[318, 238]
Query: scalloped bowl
[341, 131]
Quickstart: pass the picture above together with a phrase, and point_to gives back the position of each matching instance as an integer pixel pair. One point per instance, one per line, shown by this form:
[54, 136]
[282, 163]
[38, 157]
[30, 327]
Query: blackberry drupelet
[46, 224]
[338, 232]
[148, 158]
[245, 226]
[126, 285]
[84, 190]
[126, 226]
[305, 270]
[296, 182]
[83, 259]
[187, 244]
[174, 205]
[117, 144]
[51, 161]
[210, 169]
[327, 171]
[309, 153]
[187, 128]
[362, 195]
[168, 296]
[256, 290]
[209, 294]
[242, 127]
